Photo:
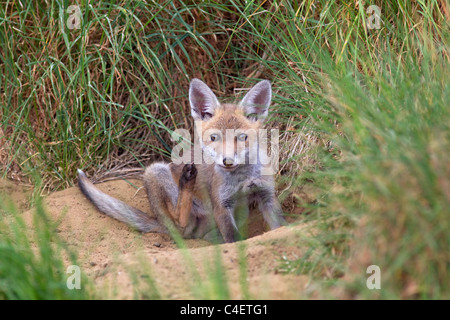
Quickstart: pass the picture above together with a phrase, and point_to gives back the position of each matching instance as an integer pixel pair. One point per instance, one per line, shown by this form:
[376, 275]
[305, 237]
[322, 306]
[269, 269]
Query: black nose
[228, 162]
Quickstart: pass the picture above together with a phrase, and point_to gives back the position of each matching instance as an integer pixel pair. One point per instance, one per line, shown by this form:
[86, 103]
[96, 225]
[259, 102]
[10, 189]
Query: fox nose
[228, 162]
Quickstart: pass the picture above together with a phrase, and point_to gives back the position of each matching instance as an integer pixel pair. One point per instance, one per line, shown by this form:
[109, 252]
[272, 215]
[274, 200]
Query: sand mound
[108, 249]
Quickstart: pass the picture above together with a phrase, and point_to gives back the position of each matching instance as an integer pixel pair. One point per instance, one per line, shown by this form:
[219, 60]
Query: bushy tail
[117, 209]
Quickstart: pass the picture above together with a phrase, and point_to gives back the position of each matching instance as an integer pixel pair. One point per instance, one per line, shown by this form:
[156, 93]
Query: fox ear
[203, 101]
[257, 101]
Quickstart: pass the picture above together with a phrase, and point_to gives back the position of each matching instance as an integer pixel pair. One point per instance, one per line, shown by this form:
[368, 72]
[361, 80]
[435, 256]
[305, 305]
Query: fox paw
[188, 175]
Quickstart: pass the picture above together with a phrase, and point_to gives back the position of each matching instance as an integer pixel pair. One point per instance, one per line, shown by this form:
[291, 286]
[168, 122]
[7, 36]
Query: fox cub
[209, 200]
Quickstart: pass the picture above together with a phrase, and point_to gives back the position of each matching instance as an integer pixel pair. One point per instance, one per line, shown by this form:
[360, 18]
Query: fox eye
[242, 137]
[214, 137]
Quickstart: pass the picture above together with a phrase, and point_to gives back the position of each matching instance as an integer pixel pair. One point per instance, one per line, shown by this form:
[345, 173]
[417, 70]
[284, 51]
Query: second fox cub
[214, 195]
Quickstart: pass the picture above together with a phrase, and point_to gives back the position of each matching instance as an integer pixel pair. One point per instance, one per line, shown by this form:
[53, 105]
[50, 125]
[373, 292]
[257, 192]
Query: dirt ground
[108, 249]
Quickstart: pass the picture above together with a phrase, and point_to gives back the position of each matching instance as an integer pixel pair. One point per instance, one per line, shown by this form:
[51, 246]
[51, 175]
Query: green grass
[393, 142]
[363, 114]
[35, 264]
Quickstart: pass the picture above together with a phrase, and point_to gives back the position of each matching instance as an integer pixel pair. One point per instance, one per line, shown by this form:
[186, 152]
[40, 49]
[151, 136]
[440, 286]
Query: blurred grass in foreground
[34, 262]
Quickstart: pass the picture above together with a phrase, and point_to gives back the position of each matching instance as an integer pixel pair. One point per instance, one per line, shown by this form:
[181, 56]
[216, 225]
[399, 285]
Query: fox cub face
[229, 133]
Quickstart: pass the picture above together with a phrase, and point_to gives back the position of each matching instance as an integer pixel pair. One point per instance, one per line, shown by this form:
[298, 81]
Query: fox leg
[226, 223]
[169, 199]
[162, 191]
[185, 198]
[241, 214]
[223, 209]
[263, 193]
[270, 208]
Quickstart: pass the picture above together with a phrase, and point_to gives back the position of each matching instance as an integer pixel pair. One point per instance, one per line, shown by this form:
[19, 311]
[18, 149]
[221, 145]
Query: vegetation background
[363, 111]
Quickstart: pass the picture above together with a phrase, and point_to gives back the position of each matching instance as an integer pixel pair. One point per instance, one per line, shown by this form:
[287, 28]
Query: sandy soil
[108, 249]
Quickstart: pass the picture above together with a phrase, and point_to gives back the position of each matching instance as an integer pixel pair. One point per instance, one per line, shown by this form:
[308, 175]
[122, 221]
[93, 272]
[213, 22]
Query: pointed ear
[257, 101]
[203, 101]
